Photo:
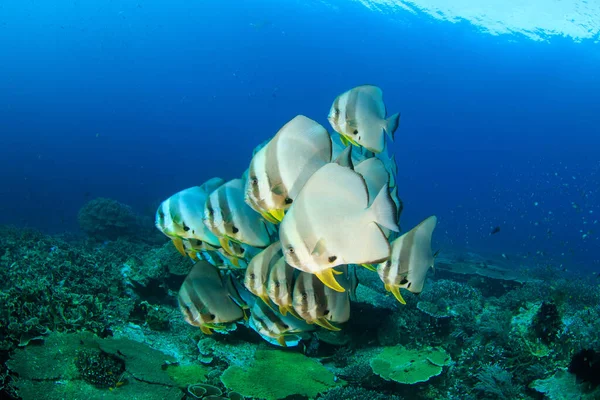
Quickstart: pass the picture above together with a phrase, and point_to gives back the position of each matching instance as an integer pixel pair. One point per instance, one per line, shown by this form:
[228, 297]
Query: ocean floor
[89, 319]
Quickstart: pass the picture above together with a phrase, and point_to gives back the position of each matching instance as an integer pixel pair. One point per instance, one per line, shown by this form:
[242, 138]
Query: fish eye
[242, 250]
[355, 132]
[252, 276]
[210, 211]
[291, 250]
[254, 181]
[332, 259]
[388, 263]
[304, 296]
[325, 312]
[211, 316]
[234, 229]
[277, 284]
[285, 326]
[185, 227]
[288, 200]
[337, 111]
[198, 242]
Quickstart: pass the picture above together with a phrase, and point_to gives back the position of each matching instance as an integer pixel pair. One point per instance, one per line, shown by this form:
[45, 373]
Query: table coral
[276, 374]
[409, 366]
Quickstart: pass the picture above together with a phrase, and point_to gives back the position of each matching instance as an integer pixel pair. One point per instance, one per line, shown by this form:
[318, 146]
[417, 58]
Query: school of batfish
[283, 242]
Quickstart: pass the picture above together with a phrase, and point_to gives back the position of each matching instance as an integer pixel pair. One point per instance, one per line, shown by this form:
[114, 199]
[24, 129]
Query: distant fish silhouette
[495, 230]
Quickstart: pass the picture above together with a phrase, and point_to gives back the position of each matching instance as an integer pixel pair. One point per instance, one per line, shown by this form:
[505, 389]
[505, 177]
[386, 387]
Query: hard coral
[262, 378]
[107, 219]
[409, 366]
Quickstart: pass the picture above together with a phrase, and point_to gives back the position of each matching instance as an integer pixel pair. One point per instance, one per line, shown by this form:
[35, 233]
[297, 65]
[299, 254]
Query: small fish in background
[410, 260]
[318, 304]
[275, 328]
[204, 301]
[279, 170]
[257, 273]
[495, 230]
[359, 116]
[229, 218]
[505, 257]
[331, 224]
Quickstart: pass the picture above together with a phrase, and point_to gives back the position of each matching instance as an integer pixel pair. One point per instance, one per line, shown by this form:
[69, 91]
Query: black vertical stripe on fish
[194, 298]
[336, 110]
[405, 254]
[186, 311]
[255, 187]
[351, 103]
[272, 170]
[223, 203]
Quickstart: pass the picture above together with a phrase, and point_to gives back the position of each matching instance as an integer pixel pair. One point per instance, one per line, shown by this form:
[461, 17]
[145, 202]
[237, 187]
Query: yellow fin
[235, 261]
[370, 267]
[266, 299]
[281, 341]
[326, 276]
[396, 292]
[205, 329]
[194, 256]
[225, 245]
[269, 217]
[179, 246]
[326, 324]
[283, 310]
[277, 214]
[336, 272]
[344, 140]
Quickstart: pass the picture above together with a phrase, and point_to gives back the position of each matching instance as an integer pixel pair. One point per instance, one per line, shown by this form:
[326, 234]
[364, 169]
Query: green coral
[189, 374]
[409, 366]
[57, 367]
[276, 374]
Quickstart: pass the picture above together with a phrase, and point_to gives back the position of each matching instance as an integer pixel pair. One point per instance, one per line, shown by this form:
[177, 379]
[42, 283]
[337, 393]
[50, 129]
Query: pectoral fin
[226, 246]
[344, 140]
[370, 267]
[281, 341]
[206, 330]
[323, 322]
[278, 215]
[326, 276]
[179, 246]
[266, 215]
[395, 290]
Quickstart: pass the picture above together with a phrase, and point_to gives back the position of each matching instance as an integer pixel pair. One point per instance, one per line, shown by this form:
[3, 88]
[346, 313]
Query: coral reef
[107, 219]
[80, 319]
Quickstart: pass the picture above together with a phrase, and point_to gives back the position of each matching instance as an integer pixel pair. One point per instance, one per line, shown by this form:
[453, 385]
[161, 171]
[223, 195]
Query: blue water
[135, 100]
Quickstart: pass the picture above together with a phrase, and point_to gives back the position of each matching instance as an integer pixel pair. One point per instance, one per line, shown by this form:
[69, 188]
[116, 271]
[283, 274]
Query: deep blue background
[136, 100]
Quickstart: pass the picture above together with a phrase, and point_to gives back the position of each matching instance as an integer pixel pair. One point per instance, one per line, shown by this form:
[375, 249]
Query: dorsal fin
[344, 159]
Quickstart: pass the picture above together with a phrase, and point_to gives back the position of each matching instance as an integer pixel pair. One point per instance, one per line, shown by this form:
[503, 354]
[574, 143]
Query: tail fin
[384, 210]
[391, 124]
